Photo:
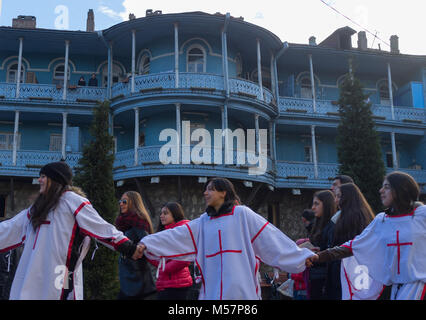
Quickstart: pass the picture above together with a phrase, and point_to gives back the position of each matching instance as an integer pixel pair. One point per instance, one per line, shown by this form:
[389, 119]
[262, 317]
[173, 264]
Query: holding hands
[311, 260]
[138, 252]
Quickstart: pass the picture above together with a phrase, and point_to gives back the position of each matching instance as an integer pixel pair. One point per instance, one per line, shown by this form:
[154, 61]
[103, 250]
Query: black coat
[136, 277]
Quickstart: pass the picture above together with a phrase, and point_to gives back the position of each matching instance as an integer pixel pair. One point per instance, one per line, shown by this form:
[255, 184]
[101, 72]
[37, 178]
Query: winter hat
[58, 171]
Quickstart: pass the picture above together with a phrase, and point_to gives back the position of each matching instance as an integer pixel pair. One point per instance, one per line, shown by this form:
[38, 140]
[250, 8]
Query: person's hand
[311, 260]
[315, 249]
[140, 248]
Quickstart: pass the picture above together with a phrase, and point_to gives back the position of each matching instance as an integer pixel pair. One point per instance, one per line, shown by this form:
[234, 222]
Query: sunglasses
[124, 201]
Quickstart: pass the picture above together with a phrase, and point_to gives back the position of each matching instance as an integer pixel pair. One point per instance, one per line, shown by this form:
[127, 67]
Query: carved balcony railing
[201, 82]
[329, 108]
[50, 92]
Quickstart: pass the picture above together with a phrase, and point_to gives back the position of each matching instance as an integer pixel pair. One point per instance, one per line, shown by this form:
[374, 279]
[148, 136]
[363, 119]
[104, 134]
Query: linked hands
[140, 248]
[309, 262]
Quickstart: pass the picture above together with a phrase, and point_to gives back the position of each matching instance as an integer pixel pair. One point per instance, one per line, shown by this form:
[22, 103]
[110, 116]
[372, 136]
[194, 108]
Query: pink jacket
[176, 273]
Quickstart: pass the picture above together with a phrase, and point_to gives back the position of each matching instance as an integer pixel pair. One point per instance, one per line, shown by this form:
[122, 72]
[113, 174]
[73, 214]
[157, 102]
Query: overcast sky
[292, 21]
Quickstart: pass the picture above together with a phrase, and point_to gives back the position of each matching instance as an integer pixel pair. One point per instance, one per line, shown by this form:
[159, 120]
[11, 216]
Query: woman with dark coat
[355, 215]
[324, 207]
[136, 278]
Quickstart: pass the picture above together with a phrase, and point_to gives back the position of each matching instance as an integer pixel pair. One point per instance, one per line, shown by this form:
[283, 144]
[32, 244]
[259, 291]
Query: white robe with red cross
[227, 251]
[43, 268]
[390, 251]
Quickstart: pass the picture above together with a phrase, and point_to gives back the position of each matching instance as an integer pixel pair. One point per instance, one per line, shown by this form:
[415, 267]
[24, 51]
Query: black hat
[58, 171]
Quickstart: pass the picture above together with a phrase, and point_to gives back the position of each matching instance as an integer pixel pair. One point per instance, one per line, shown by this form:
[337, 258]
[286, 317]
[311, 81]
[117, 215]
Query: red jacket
[176, 273]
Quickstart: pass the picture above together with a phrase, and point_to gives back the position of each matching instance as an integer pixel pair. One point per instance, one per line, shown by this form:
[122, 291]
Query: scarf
[128, 220]
[225, 208]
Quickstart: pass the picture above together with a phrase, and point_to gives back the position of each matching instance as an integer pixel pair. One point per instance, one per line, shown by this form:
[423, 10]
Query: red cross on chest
[221, 252]
[398, 245]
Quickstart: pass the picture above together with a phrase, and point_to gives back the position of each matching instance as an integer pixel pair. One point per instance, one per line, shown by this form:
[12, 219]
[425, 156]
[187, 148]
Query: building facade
[200, 71]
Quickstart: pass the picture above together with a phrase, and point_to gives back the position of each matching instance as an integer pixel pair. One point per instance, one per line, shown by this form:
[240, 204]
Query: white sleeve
[13, 231]
[177, 243]
[273, 247]
[93, 225]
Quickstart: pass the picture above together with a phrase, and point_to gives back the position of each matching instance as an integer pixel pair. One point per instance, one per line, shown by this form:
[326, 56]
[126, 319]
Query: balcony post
[64, 134]
[273, 76]
[314, 99]
[259, 69]
[225, 146]
[15, 138]
[110, 61]
[272, 127]
[176, 28]
[314, 152]
[225, 54]
[178, 131]
[256, 125]
[67, 49]
[394, 157]
[18, 75]
[136, 135]
[390, 91]
[133, 60]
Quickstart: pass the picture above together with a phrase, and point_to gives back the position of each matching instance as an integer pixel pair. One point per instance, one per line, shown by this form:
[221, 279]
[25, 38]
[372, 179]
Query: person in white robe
[391, 251]
[50, 268]
[227, 243]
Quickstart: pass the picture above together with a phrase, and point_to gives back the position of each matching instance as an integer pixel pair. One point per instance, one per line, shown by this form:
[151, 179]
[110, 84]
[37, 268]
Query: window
[239, 66]
[306, 88]
[145, 65]
[389, 159]
[308, 154]
[6, 141]
[117, 74]
[384, 95]
[55, 142]
[196, 60]
[12, 73]
[141, 139]
[59, 72]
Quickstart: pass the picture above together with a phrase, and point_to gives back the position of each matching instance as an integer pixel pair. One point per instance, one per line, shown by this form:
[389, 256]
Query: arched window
[145, 64]
[117, 74]
[196, 60]
[306, 88]
[12, 73]
[59, 72]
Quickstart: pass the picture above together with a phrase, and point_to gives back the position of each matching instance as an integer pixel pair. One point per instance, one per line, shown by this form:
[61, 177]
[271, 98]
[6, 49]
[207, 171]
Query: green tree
[358, 143]
[94, 176]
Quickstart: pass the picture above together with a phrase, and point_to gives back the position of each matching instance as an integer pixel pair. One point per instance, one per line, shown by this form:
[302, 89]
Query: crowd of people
[349, 253]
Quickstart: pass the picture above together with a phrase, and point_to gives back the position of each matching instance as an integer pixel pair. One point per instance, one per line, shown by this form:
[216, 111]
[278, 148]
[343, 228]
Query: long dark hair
[223, 184]
[329, 209]
[405, 191]
[176, 210]
[355, 214]
[45, 202]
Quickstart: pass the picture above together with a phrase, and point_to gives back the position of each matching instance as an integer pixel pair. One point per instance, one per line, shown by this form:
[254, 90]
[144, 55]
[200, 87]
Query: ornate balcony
[28, 163]
[286, 174]
[50, 92]
[328, 108]
[149, 164]
[193, 82]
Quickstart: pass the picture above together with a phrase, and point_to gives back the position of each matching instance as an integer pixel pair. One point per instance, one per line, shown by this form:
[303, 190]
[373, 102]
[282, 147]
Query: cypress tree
[94, 176]
[358, 143]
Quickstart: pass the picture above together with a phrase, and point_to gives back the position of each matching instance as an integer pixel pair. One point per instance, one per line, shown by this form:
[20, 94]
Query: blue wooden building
[214, 72]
